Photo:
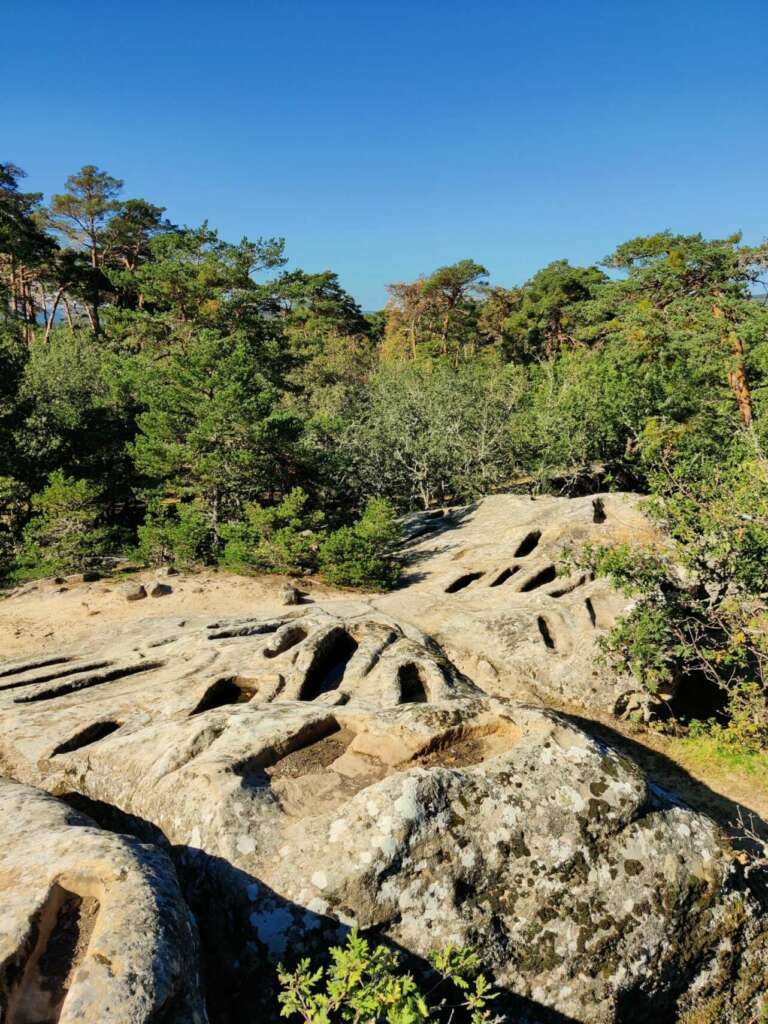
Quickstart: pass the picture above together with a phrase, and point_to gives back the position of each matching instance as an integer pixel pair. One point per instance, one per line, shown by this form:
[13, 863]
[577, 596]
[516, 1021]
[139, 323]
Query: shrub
[64, 533]
[362, 555]
[701, 609]
[280, 538]
[13, 503]
[365, 983]
[179, 534]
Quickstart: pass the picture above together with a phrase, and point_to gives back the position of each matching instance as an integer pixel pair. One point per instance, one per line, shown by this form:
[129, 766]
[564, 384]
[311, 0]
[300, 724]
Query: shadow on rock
[246, 929]
[679, 786]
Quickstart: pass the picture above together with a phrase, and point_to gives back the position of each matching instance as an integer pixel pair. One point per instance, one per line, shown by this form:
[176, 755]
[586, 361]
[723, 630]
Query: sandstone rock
[90, 576]
[93, 924]
[483, 580]
[23, 590]
[159, 589]
[133, 591]
[290, 595]
[312, 771]
[335, 765]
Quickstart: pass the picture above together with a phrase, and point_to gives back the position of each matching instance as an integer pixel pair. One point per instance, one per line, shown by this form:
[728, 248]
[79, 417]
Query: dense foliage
[167, 392]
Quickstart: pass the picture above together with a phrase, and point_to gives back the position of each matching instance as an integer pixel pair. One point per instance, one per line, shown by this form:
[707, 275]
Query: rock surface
[92, 925]
[330, 766]
[369, 761]
[483, 581]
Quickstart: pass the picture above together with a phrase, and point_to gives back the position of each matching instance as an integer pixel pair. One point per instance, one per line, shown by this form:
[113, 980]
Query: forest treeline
[168, 392]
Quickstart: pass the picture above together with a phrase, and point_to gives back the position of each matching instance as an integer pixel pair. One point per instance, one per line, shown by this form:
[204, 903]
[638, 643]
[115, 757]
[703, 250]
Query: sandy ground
[59, 615]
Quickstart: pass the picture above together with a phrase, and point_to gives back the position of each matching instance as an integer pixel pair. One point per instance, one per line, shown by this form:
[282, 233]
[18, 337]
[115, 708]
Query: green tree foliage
[174, 533]
[368, 983]
[292, 538]
[14, 506]
[82, 212]
[363, 555]
[76, 414]
[213, 428]
[65, 531]
[280, 538]
[547, 314]
[451, 292]
[25, 251]
[427, 433]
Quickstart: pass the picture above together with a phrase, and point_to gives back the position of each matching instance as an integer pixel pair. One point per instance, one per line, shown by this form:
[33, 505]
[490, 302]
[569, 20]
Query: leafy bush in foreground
[367, 984]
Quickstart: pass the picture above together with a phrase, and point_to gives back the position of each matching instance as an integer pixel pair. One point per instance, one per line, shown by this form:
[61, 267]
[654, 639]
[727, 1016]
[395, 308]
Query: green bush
[362, 555]
[177, 534]
[365, 983]
[701, 608]
[281, 538]
[64, 533]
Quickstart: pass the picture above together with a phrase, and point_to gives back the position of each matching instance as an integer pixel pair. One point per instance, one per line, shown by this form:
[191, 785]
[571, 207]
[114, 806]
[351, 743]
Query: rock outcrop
[483, 581]
[329, 767]
[92, 925]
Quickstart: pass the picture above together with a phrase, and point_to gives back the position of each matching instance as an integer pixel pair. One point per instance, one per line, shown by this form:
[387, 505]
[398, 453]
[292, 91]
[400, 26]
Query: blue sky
[384, 140]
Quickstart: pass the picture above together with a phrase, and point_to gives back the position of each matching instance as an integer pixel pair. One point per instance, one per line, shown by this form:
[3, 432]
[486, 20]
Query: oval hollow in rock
[413, 689]
[64, 926]
[504, 575]
[463, 581]
[84, 738]
[329, 664]
[547, 575]
[546, 635]
[528, 544]
[288, 638]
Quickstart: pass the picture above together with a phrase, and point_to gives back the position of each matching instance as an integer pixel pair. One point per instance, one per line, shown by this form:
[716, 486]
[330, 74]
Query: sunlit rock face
[488, 582]
[330, 766]
[93, 926]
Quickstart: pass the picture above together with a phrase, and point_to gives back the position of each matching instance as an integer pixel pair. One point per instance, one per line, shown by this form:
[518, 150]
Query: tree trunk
[68, 312]
[49, 319]
[737, 376]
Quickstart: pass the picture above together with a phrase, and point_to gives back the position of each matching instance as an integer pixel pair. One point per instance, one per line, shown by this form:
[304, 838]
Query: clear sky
[386, 139]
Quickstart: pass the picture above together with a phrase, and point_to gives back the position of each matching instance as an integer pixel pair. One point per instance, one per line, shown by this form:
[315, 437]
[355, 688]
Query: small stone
[290, 595]
[160, 589]
[167, 570]
[133, 591]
